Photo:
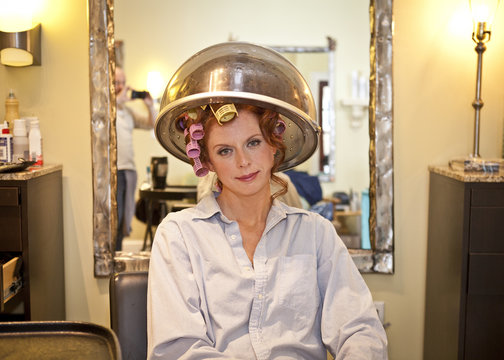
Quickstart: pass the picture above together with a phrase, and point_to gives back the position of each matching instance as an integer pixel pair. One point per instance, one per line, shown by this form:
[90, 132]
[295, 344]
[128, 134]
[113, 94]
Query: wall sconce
[483, 12]
[21, 48]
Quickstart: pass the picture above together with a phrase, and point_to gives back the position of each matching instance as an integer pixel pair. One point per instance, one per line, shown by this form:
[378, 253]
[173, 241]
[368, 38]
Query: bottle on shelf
[5, 144]
[20, 142]
[11, 109]
[35, 142]
[147, 183]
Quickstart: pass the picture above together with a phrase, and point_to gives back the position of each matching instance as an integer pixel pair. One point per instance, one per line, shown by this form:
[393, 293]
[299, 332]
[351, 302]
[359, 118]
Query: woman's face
[240, 155]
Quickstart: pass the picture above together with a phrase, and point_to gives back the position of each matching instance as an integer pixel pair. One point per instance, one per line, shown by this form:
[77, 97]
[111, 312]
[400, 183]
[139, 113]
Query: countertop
[468, 176]
[31, 172]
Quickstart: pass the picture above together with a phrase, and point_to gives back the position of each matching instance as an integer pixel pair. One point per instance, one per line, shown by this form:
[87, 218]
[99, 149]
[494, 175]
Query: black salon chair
[128, 312]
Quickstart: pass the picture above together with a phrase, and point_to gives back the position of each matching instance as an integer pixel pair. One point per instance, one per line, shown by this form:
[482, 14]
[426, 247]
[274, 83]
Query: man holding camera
[135, 109]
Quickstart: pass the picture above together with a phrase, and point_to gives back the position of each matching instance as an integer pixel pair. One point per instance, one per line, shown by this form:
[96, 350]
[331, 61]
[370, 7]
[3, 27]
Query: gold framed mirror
[102, 101]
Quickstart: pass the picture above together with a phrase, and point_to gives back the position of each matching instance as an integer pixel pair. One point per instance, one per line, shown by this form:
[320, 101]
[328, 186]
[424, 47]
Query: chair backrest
[128, 313]
[57, 340]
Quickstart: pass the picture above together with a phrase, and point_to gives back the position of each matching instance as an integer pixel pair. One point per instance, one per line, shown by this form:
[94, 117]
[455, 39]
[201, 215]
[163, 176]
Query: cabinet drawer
[9, 196]
[10, 228]
[486, 229]
[10, 279]
[484, 327]
[487, 196]
[485, 274]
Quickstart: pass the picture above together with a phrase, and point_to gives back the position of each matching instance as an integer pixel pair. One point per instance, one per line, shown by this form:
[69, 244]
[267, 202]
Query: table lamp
[483, 12]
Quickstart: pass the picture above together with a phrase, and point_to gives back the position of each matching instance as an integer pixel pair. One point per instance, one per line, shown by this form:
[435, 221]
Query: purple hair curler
[279, 127]
[198, 168]
[196, 131]
[193, 149]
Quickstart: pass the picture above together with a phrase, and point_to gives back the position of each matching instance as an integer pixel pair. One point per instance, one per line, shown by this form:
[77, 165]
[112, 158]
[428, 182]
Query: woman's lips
[248, 177]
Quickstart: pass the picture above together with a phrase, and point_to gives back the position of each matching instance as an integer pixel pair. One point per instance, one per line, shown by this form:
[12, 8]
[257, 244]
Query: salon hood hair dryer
[241, 73]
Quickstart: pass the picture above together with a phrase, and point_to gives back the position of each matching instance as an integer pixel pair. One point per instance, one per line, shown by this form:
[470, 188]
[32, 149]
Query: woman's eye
[254, 142]
[224, 151]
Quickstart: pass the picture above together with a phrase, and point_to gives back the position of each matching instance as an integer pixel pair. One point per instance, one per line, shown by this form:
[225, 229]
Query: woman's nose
[242, 159]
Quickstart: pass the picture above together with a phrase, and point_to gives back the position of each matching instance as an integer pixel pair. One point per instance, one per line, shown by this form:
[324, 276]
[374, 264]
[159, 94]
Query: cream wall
[434, 71]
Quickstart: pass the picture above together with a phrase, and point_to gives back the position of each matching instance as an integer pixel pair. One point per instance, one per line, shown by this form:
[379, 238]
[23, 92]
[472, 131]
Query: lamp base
[477, 165]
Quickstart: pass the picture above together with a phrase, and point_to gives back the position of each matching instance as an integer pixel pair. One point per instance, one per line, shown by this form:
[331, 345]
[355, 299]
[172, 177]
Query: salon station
[394, 132]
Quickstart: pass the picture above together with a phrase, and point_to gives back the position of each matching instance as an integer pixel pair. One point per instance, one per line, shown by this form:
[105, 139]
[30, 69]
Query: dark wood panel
[487, 229]
[488, 195]
[486, 274]
[10, 228]
[9, 196]
[485, 327]
[445, 278]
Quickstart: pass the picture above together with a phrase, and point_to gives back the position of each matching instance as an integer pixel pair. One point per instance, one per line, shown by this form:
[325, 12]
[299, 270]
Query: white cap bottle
[35, 142]
[20, 142]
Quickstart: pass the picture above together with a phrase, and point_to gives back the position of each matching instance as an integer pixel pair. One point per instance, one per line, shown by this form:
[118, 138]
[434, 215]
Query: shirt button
[260, 296]
[233, 237]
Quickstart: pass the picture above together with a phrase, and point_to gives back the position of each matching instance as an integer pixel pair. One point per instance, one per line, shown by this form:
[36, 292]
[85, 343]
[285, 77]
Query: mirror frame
[103, 139]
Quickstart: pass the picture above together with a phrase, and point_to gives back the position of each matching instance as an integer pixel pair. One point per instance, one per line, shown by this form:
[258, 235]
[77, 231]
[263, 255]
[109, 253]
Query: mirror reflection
[341, 162]
[293, 24]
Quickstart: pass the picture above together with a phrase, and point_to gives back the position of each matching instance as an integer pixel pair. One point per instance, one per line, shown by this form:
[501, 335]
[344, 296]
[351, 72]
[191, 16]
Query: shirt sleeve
[176, 326]
[350, 325]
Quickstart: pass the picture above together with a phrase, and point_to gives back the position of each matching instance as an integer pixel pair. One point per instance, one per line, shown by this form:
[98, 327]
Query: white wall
[434, 74]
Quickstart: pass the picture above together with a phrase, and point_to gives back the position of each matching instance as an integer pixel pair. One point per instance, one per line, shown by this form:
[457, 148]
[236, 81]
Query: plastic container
[35, 143]
[366, 241]
[147, 183]
[5, 144]
[11, 109]
[20, 142]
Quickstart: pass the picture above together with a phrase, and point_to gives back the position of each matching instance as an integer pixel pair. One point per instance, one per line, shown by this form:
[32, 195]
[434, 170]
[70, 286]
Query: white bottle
[5, 143]
[20, 142]
[147, 183]
[35, 143]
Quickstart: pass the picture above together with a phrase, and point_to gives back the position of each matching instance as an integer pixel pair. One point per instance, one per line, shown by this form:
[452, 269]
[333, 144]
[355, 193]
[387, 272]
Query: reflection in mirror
[316, 63]
[175, 49]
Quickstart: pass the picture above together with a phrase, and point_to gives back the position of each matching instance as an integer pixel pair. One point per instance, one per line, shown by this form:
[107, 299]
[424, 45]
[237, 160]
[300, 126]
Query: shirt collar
[208, 207]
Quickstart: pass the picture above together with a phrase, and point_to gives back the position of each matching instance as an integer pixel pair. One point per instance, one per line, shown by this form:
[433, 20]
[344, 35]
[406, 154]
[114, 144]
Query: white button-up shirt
[301, 295]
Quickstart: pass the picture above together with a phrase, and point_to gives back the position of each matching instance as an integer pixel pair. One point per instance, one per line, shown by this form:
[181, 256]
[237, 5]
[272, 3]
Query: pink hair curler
[198, 168]
[193, 149]
[196, 131]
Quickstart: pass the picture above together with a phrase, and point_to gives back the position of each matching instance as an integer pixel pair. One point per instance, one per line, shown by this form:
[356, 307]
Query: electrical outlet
[380, 309]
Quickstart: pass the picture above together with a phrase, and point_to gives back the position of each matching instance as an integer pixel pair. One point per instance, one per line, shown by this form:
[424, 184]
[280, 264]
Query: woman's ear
[209, 165]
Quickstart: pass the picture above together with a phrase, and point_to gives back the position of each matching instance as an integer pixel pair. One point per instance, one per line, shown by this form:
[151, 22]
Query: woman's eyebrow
[248, 139]
[255, 136]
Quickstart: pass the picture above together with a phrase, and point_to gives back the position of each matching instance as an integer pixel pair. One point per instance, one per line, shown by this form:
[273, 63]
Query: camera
[139, 94]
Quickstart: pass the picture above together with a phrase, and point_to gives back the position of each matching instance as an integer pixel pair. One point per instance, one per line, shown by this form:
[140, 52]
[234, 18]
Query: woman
[244, 276]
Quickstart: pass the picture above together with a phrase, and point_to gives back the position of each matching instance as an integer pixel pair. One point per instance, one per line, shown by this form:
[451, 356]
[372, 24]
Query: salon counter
[464, 301]
[31, 231]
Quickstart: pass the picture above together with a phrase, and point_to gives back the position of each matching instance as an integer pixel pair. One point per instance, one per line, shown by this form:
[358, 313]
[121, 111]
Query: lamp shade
[21, 48]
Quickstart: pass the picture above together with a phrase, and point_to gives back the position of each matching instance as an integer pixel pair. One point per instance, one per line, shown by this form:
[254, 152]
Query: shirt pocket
[297, 284]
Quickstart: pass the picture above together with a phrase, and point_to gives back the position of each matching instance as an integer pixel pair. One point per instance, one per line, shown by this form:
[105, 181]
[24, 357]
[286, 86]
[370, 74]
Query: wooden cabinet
[31, 229]
[464, 307]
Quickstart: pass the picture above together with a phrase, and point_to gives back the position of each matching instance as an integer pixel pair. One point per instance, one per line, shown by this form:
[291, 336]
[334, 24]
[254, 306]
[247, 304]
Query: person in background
[131, 114]
[244, 276]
